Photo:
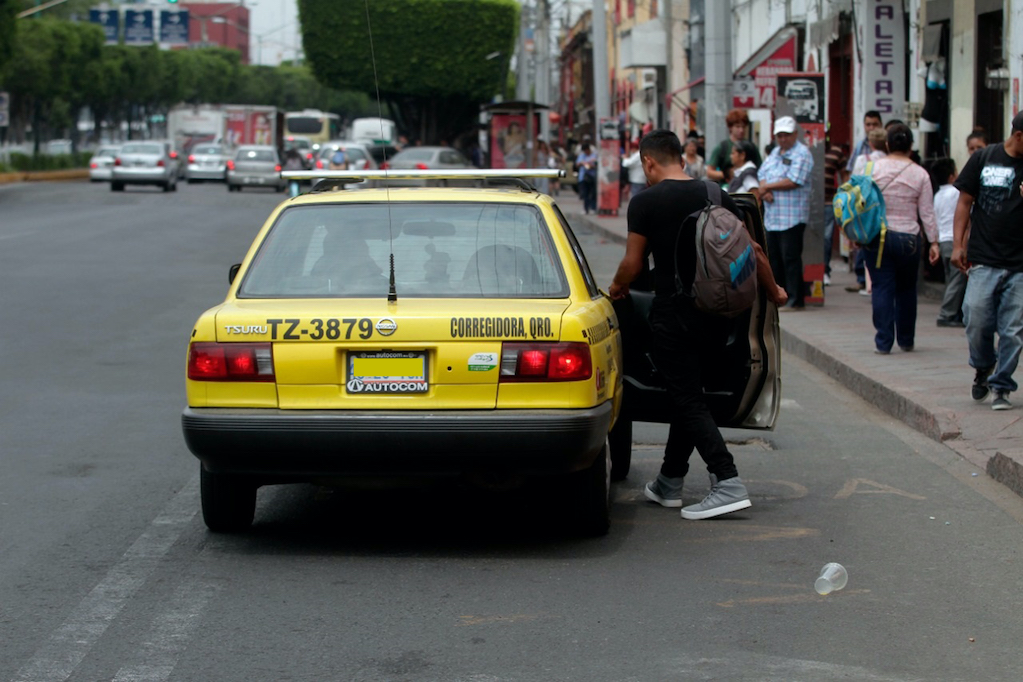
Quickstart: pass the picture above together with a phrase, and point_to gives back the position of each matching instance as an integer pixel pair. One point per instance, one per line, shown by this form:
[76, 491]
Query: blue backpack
[859, 208]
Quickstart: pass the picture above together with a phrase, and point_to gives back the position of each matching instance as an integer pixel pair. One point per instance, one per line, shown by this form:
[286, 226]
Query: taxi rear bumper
[282, 445]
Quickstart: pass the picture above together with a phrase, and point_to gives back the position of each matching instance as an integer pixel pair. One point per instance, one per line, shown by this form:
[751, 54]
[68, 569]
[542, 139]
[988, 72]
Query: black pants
[785, 250]
[680, 335]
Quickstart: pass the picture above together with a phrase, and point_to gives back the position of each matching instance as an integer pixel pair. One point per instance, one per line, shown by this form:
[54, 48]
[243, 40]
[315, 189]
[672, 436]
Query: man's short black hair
[894, 122]
[1017, 122]
[872, 114]
[663, 146]
[941, 169]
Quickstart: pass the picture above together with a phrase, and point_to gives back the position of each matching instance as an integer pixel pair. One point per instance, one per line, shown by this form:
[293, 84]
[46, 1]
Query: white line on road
[170, 634]
[57, 659]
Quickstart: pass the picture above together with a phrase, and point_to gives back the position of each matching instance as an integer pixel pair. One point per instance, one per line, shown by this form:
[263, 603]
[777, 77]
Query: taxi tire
[228, 503]
[620, 440]
[593, 496]
[116, 186]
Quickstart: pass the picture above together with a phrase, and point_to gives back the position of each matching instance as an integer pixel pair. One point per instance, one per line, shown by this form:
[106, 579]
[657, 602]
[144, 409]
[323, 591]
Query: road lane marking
[853, 485]
[58, 657]
[487, 620]
[170, 634]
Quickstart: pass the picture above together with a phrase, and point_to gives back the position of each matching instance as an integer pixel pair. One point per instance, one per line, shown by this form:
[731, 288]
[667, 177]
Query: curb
[41, 176]
[937, 426]
[1007, 470]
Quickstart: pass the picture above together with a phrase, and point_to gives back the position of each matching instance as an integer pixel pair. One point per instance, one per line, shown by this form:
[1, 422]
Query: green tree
[427, 58]
[8, 29]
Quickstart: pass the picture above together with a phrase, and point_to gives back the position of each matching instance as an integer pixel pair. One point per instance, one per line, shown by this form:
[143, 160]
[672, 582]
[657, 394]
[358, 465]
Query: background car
[357, 157]
[255, 166]
[207, 162]
[430, 158]
[153, 162]
[102, 162]
[382, 154]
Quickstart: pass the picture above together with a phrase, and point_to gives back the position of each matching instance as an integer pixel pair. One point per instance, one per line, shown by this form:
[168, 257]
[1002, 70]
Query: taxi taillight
[545, 362]
[191, 158]
[422, 166]
[277, 168]
[230, 164]
[117, 161]
[319, 163]
[230, 362]
[160, 163]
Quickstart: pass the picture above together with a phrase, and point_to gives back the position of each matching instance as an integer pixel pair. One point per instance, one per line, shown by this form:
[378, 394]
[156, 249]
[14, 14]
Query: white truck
[374, 131]
[227, 124]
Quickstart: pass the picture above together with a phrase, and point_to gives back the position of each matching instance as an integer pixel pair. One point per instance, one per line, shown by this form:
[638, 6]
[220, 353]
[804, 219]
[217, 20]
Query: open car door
[742, 381]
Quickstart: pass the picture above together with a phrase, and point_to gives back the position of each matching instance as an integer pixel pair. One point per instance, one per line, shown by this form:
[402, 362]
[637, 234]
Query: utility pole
[719, 69]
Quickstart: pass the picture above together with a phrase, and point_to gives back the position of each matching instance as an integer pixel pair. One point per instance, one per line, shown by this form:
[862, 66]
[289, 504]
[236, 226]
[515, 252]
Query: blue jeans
[994, 303]
[829, 236]
[894, 288]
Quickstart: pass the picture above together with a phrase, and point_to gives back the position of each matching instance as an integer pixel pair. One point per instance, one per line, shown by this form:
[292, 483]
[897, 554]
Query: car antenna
[392, 292]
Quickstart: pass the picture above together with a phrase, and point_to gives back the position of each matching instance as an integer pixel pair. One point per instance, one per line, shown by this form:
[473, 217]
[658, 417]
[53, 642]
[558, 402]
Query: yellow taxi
[412, 331]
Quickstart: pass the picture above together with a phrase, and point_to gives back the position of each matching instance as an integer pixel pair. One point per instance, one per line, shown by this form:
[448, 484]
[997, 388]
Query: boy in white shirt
[945, 199]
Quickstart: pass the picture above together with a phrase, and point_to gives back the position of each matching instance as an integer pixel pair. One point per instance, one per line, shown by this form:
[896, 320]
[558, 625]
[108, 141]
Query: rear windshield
[142, 149]
[256, 155]
[310, 125]
[379, 153]
[415, 155]
[441, 250]
[211, 149]
[108, 151]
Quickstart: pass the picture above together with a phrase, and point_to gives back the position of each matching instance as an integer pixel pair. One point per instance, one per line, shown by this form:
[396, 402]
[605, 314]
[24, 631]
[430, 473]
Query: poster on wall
[509, 144]
[805, 95]
[608, 168]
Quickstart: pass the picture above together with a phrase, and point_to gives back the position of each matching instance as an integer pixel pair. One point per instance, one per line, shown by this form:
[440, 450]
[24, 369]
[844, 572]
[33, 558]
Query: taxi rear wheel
[228, 503]
[593, 495]
[620, 440]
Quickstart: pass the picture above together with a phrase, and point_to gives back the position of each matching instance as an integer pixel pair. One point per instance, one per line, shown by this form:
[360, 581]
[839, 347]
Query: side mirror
[233, 272]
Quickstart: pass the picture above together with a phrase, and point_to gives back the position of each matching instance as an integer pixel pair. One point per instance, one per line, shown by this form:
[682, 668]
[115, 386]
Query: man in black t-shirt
[988, 243]
[655, 216]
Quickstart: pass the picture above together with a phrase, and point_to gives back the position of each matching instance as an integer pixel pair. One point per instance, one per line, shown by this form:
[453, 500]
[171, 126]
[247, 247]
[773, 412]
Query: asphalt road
[108, 573]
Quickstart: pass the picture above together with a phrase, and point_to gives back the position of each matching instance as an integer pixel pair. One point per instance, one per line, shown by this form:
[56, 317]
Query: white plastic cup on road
[833, 578]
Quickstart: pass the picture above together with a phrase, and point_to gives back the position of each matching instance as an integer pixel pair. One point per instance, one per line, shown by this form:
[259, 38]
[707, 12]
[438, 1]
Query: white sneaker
[725, 497]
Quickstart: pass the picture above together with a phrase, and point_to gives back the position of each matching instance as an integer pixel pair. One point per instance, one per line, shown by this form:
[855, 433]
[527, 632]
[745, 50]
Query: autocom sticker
[482, 362]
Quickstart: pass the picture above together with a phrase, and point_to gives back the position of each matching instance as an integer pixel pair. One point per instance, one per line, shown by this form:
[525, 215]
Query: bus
[316, 125]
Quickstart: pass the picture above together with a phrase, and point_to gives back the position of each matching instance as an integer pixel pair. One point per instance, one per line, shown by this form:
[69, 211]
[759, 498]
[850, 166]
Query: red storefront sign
[777, 56]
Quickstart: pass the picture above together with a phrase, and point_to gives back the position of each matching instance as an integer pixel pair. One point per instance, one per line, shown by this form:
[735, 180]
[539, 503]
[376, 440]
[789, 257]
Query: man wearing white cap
[785, 191]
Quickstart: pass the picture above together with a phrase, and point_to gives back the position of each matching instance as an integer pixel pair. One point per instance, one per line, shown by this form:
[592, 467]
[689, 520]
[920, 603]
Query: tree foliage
[428, 58]
[8, 27]
[60, 67]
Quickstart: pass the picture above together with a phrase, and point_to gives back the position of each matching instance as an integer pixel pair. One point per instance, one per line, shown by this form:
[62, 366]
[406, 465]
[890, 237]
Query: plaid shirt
[792, 206]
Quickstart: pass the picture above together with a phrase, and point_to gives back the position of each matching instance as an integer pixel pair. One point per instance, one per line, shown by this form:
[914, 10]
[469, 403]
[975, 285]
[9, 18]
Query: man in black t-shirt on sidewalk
[655, 217]
[988, 243]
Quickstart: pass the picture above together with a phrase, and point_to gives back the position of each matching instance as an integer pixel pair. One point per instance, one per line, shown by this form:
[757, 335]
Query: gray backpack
[726, 266]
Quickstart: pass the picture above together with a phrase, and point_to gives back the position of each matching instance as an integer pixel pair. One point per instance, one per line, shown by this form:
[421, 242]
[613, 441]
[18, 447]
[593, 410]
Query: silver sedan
[255, 166]
[207, 162]
[102, 163]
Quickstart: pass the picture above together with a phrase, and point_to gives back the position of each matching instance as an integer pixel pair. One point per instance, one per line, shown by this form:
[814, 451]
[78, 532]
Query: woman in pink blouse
[909, 202]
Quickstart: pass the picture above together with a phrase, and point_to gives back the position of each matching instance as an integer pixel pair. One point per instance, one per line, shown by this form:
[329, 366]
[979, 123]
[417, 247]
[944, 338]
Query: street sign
[3, 119]
[174, 27]
[109, 21]
[138, 27]
[5, 104]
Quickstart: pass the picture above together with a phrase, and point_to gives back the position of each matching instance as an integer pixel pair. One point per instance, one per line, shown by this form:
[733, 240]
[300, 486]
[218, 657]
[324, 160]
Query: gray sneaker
[1001, 401]
[665, 491]
[725, 496]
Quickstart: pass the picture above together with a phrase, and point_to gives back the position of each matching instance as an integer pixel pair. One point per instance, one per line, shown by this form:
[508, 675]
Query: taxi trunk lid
[368, 354]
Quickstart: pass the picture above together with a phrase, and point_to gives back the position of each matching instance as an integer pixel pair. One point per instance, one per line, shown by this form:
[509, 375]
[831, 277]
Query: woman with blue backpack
[893, 257]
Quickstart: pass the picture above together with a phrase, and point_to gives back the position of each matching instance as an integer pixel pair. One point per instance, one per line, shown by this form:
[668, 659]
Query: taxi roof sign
[456, 174]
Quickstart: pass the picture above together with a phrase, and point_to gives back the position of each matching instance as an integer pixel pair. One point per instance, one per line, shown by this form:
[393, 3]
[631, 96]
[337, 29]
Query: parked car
[255, 166]
[357, 155]
[436, 332]
[207, 162]
[496, 356]
[153, 162]
[102, 163]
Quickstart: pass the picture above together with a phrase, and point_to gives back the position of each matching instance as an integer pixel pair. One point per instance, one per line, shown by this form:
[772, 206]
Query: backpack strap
[713, 192]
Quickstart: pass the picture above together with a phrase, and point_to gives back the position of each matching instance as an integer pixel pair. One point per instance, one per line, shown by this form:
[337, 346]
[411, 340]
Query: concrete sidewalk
[928, 389]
